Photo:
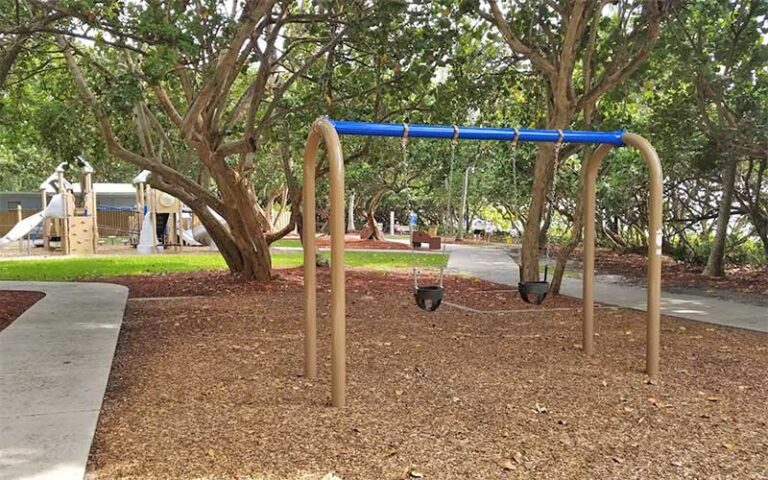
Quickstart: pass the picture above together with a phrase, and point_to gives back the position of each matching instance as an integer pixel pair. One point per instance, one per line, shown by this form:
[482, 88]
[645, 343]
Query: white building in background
[108, 195]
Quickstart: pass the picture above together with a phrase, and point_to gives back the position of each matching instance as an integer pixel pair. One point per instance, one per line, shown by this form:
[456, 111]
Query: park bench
[420, 236]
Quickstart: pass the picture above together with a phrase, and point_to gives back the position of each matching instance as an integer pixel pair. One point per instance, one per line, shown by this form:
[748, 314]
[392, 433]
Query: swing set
[329, 131]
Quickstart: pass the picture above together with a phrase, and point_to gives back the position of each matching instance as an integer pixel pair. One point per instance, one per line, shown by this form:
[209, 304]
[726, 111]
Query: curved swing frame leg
[655, 185]
[323, 130]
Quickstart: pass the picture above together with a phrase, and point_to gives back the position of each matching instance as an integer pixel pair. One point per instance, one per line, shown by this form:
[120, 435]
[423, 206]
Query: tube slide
[189, 237]
[199, 235]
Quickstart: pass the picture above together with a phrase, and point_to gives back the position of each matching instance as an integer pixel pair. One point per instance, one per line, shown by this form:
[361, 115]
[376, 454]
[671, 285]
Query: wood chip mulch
[217, 283]
[204, 283]
[506, 298]
[354, 241]
[13, 303]
[210, 388]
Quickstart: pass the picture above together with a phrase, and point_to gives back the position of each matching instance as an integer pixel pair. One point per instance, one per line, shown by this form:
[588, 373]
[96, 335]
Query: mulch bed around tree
[205, 283]
[14, 303]
[211, 388]
[466, 291]
[354, 242]
[217, 283]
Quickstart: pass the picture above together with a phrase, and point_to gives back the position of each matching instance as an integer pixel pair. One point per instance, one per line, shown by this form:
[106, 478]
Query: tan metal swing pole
[322, 129]
[655, 185]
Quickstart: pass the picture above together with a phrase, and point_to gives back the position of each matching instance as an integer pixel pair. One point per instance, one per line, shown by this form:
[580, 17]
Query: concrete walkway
[495, 265]
[54, 365]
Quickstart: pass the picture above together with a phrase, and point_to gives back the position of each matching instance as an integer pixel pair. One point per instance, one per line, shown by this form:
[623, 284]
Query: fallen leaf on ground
[415, 473]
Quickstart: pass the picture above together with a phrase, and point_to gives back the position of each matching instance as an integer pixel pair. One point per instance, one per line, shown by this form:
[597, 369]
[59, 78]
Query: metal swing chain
[404, 147]
[558, 146]
[514, 160]
[454, 144]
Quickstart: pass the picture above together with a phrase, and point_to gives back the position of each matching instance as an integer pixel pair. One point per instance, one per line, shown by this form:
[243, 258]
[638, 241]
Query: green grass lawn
[77, 268]
[288, 243]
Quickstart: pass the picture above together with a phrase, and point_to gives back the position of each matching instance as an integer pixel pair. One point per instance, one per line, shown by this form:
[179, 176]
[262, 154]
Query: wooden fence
[9, 218]
[111, 222]
[116, 223]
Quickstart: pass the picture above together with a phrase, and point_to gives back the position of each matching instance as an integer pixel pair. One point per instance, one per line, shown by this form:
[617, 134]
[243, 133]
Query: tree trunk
[370, 213]
[283, 202]
[716, 261]
[269, 208]
[268, 212]
[351, 213]
[762, 232]
[244, 244]
[576, 230]
[529, 254]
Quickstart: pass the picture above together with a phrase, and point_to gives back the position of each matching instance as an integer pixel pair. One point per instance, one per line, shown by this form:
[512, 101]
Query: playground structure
[157, 220]
[329, 131]
[162, 220]
[65, 219]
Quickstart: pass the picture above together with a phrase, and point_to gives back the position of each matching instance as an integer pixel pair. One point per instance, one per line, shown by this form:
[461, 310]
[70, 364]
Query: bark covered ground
[354, 241]
[210, 387]
[14, 303]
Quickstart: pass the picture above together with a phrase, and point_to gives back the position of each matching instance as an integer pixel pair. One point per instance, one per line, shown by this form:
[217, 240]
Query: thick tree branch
[536, 58]
[227, 61]
[615, 73]
[114, 146]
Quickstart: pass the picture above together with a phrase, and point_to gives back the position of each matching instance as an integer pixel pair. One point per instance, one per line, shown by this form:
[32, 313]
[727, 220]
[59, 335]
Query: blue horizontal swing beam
[344, 127]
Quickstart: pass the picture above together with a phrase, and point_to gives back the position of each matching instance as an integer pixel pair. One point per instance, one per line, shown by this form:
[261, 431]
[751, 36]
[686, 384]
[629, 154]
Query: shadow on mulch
[211, 388]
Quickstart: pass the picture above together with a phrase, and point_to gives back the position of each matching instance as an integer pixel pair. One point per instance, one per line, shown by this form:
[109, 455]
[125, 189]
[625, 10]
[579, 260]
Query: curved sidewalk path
[496, 265]
[54, 365]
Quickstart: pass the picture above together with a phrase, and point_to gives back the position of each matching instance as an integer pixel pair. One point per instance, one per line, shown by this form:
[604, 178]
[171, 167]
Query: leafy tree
[204, 83]
[723, 43]
[581, 50]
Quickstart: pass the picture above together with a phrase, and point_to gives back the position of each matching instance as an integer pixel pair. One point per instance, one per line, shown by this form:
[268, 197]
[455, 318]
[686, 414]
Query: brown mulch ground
[14, 303]
[506, 298]
[210, 388]
[354, 241]
[466, 291]
[212, 283]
